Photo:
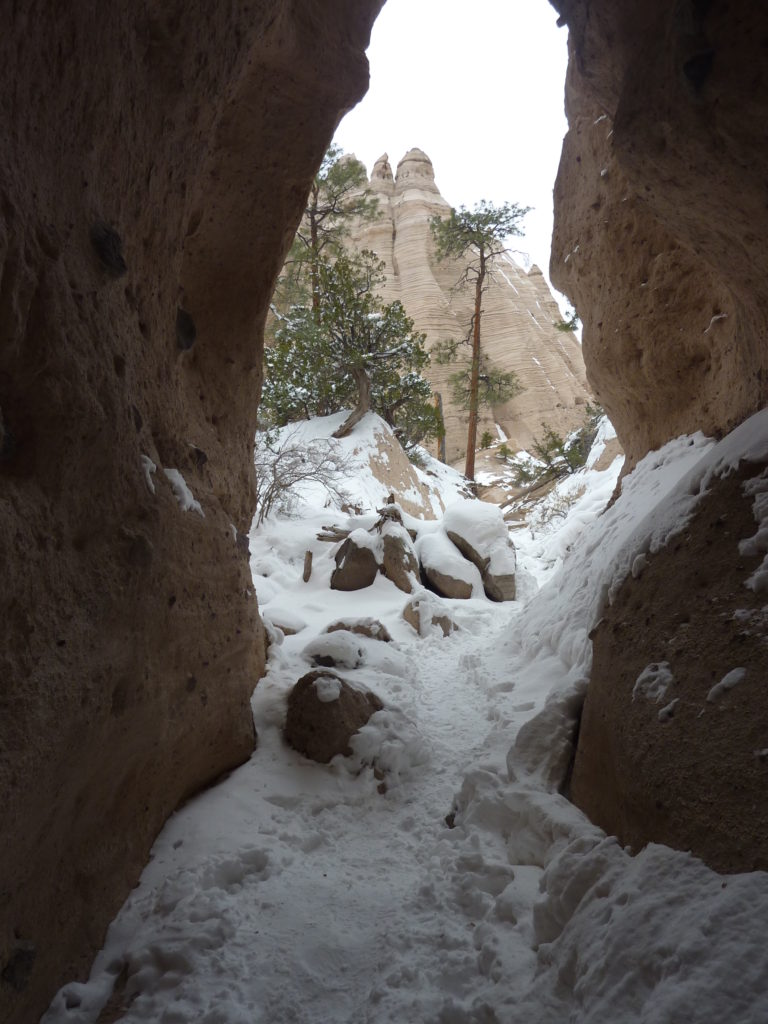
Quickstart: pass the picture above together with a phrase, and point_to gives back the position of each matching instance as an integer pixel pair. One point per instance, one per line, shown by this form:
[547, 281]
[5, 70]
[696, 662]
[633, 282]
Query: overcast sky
[479, 87]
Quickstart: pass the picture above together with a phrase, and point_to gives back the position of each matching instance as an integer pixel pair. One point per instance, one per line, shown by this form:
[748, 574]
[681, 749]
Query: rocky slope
[518, 317]
[154, 165]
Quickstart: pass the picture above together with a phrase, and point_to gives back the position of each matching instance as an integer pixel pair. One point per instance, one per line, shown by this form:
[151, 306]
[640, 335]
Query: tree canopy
[337, 197]
[351, 348]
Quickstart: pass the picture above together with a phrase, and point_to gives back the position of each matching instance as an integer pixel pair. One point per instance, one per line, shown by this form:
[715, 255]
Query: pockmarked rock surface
[519, 311]
[672, 745]
[660, 213]
[141, 231]
[324, 713]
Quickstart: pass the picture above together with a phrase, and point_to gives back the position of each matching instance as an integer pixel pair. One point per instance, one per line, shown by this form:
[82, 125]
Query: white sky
[479, 87]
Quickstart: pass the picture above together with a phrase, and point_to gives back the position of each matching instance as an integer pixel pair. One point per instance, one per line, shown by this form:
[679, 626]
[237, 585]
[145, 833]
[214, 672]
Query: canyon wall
[519, 312]
[154, 164]
[661, 211]
[661, 220]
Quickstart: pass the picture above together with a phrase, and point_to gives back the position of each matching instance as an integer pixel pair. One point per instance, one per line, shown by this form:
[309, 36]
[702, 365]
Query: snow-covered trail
[297, 893]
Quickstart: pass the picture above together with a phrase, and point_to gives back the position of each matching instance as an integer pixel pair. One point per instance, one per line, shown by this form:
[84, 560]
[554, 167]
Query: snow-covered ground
[470, 890]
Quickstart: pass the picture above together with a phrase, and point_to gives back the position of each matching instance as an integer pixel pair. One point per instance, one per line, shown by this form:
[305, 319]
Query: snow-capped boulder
[479, 532]
[446, 570]
[386, 548]
[371, 628]
[339, 649]
[398, 561]
[356, 562]
[426, 613]
[324, 713]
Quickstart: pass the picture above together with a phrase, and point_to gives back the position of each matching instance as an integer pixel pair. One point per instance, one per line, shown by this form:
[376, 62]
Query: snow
[185, 497]
[454, 884]
[729, 680]
[757, 544]
[482, 526]
[653, 682]
[148, 467]
[436, 551]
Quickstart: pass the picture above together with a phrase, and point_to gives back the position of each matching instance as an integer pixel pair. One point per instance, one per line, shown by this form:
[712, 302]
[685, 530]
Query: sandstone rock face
[518, 317]
[324, 713]
[660, 213]
[141, 230]
[664, 755]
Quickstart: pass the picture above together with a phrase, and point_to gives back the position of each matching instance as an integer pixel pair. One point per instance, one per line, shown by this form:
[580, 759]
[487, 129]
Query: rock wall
[661, 213]
[153, 167]
[518, 312]
[686, 765]
[661, 217]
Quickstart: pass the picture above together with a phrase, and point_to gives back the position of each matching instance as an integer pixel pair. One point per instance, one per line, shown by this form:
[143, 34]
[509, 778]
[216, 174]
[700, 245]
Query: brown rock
[356, 567]
[674, 767]
[133, 185]
[424, 612]
[399, 562]
[371, 628]
[447, 586]
[322, 728]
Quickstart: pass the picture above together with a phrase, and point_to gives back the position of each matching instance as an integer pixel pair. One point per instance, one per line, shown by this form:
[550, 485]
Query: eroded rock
[324, 713]
[133, 185]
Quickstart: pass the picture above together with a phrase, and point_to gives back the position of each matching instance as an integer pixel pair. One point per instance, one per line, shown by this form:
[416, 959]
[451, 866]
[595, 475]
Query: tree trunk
[474, 379]
[315, 269]
[363, 406]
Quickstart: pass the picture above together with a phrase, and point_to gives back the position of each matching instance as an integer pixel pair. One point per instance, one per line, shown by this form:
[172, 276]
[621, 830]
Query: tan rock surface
[695, 776]
[153, 158]
[519, 311]
[659, 239]
[660, 213]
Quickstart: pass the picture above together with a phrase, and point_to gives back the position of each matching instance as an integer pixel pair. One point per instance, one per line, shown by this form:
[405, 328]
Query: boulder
[339, 649]
[425, 615]
[371, 628]
[399, 562]
[479, 532]
[445, 570]
[324, 713]
[356, 563]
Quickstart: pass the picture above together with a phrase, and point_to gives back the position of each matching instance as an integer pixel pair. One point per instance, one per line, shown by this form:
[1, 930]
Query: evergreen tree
[337, 197]
[477, 237]
[352, 347]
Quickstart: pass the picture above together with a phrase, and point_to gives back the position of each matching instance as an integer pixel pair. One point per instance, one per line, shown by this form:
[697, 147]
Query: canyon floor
[461, 886]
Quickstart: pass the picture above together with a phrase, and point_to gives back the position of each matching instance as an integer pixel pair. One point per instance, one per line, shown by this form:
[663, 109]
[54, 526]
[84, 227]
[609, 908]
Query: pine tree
[338, 197]
[352, 347]
[477, 237]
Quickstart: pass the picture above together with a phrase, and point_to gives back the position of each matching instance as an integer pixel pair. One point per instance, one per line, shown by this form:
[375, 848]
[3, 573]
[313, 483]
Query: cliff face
[660, 229]
[154, 166]
[518, 311]
[660, 212]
